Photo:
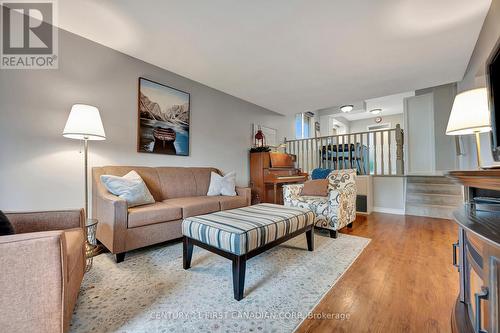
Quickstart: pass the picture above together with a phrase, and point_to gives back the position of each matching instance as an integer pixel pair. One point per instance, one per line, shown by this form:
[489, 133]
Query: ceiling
[391, 104]
[288, 55]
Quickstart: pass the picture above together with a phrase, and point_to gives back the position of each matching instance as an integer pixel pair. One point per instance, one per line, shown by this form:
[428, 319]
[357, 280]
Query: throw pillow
[6, 227]
[130, 187]
[222, 185]
[318, 187]
[319, 173]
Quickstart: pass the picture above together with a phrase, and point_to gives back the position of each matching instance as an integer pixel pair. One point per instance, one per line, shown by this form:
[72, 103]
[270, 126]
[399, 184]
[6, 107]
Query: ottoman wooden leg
[310, 239]
[239, 267]
[187, 252]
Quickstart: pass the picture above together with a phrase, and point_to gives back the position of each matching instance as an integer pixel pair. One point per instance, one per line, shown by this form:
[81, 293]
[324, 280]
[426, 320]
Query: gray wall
[39, 169]
[445, 149]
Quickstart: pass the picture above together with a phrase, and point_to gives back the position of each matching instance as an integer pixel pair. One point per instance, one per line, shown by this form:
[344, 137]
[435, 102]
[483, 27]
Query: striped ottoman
[242, 233]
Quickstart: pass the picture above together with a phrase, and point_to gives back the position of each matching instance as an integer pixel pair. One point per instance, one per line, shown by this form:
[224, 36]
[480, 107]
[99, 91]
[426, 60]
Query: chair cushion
[192, 206]
[75, 240]
[232, 202]
[317, 187]
[242, 230]
[154, 213]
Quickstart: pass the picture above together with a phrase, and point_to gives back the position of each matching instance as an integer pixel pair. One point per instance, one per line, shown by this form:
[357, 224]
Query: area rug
[151, 292]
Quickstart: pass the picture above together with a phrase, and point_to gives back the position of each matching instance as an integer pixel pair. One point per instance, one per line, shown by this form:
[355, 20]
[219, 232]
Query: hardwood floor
[404, 280]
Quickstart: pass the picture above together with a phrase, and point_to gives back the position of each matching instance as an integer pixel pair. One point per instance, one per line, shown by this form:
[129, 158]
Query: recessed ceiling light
[376, 111]
[346, 108]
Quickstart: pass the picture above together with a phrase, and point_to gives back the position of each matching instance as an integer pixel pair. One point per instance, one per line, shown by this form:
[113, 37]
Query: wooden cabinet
[477, 253]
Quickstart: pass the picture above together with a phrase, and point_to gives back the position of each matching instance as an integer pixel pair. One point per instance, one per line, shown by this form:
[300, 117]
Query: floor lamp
[84, 123]
[470, 115]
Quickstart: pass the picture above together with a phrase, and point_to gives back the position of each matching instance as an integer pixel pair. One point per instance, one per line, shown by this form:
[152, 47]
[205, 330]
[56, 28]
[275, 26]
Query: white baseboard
[389, 210]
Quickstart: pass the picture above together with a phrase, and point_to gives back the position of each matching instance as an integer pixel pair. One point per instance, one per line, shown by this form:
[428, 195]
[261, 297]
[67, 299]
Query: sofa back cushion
[167, 182]
[178, 182]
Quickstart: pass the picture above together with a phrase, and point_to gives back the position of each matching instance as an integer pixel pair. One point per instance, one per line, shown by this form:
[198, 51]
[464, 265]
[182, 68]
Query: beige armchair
[42, 268]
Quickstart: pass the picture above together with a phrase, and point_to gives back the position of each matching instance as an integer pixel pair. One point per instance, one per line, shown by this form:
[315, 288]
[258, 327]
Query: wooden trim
[487, 179]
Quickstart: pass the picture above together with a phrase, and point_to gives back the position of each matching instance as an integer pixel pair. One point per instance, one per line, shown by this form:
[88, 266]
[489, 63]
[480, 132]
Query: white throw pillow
[130, 187]
[220, 185]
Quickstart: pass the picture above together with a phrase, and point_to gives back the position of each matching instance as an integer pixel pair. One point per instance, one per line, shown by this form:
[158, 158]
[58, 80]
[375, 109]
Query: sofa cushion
[154, 213]
[202, 179]
[222, 185]
[192, 206]
[231, 202]
[149, 175]
[130, 188]
[75, 240]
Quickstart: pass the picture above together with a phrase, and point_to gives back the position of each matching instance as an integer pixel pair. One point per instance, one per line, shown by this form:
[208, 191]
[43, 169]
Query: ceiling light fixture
[375, 111]
[346, 108]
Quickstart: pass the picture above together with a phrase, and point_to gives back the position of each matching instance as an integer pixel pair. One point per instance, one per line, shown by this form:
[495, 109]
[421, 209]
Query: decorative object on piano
[163, 119]
[260, 139]
[266, 179]
[470, 115]
[270, 134]
[260, 149]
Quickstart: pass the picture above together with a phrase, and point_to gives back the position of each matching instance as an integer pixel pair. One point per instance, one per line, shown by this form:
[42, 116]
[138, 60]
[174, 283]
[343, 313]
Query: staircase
[433, 196]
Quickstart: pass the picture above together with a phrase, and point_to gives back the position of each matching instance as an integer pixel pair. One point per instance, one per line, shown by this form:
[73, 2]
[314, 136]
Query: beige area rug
[151, 292]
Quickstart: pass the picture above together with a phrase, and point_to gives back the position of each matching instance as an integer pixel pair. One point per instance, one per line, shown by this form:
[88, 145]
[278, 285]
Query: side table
[91, 247]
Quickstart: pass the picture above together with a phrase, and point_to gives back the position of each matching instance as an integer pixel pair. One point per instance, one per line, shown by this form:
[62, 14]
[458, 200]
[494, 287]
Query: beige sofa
[42, 268]
[179, 193]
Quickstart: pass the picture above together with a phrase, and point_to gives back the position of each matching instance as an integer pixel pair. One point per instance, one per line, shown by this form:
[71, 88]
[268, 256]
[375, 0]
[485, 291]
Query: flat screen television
[493, 74]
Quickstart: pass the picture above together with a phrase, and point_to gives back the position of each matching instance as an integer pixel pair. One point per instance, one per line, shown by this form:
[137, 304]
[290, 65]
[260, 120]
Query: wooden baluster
[389, 149]
[399, 150]
[382, 157]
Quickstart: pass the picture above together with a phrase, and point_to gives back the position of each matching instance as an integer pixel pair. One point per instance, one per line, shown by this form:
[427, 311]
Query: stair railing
[377, 152]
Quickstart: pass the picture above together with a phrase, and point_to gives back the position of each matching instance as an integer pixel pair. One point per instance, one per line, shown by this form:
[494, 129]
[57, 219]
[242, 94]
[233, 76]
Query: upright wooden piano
[268, 172]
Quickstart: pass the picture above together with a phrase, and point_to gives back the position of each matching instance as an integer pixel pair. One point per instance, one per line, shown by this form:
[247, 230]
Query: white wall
[389, 195]
[39, 169]
[361, 125]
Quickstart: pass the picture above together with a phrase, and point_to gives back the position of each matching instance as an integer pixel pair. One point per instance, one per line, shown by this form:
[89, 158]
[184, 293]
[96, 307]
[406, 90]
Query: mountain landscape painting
[163, 119]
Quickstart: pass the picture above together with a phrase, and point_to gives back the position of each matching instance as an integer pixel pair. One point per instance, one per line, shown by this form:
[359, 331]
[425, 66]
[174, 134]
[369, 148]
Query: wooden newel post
[399, 150]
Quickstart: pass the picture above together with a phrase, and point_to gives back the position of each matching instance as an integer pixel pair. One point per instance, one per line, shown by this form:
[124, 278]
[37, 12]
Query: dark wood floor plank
[404, 280]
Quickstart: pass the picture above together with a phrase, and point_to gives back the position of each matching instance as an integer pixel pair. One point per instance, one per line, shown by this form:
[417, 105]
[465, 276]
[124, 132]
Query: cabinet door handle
[455, 261]
[483, 294]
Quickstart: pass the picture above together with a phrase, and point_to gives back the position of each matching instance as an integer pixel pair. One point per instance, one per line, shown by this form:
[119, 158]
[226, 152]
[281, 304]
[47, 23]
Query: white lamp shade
[84, 122]
[470, 113]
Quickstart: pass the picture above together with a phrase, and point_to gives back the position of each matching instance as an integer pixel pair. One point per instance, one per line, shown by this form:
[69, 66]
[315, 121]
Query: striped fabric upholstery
[242, 230]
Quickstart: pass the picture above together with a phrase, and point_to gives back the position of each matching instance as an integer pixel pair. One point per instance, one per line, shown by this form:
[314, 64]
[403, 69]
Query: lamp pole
[478, 149]
[86, 184]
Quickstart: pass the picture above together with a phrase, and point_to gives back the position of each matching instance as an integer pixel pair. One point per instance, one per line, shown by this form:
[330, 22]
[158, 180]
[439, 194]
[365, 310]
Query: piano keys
[269, 171]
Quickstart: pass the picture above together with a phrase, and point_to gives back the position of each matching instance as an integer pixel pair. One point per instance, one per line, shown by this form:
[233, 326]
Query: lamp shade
[470, 113]
[84, 122]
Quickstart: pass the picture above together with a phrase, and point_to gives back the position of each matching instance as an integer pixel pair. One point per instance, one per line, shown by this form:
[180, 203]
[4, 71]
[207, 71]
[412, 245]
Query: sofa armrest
[32, 279]
[112, 214]
[24, 222]
[245, 192]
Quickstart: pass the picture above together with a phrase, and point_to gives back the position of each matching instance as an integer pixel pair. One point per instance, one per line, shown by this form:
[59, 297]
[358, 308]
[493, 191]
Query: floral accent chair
[334, 211]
